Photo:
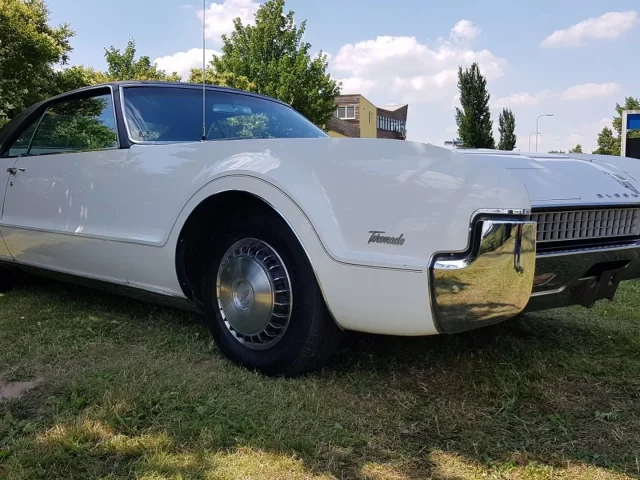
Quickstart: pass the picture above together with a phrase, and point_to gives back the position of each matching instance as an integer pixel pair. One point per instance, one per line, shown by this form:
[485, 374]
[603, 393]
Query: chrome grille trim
[588, 224]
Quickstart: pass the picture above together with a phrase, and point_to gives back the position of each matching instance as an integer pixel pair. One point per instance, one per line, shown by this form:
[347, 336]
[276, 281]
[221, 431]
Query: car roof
[157, 83]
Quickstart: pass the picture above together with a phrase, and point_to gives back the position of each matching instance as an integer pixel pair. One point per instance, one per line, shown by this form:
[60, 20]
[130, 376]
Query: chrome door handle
[14, 170]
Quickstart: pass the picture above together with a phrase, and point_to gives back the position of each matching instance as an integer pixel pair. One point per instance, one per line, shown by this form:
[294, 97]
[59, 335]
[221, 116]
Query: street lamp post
[538, 131]
[534, 133]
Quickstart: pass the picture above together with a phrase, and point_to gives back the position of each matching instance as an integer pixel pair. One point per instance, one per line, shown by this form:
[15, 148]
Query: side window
[21, 145]
[76, 125]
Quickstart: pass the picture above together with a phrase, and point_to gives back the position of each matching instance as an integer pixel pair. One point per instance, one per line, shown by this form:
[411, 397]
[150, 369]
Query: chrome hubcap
[254, 294]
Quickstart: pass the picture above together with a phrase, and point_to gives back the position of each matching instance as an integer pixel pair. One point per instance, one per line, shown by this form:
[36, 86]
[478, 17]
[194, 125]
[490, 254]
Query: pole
[623, 136]
[204, 66]
[538, 131]
[534, 133]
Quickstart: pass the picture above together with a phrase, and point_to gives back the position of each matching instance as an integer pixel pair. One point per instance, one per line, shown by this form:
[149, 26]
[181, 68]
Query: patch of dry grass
[131, 390]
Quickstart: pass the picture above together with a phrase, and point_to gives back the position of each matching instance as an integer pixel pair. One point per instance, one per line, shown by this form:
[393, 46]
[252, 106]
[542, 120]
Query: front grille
[586, 226]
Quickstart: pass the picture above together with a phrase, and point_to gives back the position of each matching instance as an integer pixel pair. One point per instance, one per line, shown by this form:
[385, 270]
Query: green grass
[130, 390]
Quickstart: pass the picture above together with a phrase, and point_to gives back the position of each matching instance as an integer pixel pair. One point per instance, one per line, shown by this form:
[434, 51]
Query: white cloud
[357, 85]
[588, 91]
[585, 135]
[183, 62]
[607, 27]
[464, 31]
[220, 16]
[402, 66]
[523, 99]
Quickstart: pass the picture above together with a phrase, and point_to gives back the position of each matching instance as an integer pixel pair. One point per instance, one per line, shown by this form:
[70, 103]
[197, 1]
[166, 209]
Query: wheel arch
[191, 254]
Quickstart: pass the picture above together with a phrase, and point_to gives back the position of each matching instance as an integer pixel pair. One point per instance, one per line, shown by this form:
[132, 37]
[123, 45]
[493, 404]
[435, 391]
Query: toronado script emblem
[377, 238]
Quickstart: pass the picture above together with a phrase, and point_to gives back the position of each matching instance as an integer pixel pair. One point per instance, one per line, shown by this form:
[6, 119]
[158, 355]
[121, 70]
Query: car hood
[553, 179]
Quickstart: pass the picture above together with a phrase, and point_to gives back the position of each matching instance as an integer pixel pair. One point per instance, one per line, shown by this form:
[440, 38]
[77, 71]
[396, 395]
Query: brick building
[358, 117]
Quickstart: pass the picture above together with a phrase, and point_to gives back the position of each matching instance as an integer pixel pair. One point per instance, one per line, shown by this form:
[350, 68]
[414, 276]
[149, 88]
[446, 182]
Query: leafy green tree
[272, 56]
[29, 49]
[507, 127]
[74, 77]
[124, 66]
[225, 79]
[576, 149]
[475, 127]
[630, 103]
[608, 144]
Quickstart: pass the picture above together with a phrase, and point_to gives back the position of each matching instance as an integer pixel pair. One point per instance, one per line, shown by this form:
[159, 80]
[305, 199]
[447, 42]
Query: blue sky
[574, 59]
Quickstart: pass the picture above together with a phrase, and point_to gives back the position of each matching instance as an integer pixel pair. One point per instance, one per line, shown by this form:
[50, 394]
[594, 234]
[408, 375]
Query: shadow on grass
[544, 393]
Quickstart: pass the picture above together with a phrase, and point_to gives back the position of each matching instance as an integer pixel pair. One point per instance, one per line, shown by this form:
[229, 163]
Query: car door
[60, 198]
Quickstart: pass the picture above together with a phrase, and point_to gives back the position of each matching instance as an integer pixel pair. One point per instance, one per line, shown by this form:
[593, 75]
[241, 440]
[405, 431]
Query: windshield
[174, 114]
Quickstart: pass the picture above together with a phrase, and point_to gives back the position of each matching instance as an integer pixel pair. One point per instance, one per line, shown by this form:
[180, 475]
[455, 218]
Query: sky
[574, 59]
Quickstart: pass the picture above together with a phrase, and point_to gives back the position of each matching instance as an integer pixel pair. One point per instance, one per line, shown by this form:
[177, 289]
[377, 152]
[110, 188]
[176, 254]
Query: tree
[475, 127]
[74, 77]
[225, 79]
[630, 103]
[607, 143]
[123, 66]
[507, 127]
[576, 149]
[272, 56]
[29, 50]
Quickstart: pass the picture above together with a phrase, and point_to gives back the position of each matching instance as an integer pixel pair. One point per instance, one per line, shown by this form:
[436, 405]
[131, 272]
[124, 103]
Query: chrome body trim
[109, 286]
[502, 211]
[489, 283]
[571, 224]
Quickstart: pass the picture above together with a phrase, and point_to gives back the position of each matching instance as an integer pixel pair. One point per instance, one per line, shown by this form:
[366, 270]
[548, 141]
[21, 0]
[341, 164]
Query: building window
[346, 112]
[391, 124]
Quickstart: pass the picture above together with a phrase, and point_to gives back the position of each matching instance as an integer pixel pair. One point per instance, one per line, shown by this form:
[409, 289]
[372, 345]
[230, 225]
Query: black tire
[9, 279]
[311, 337]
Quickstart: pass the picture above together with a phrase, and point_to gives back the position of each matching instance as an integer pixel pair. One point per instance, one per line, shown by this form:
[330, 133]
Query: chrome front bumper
[582, 277]
[501, 275]
[490, 282]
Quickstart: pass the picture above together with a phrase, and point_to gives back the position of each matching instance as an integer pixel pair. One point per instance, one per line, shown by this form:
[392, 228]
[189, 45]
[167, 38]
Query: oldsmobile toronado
[234, 205]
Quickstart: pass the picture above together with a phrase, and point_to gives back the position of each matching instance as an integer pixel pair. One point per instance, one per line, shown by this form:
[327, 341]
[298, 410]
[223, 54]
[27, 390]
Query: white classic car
[284, 237]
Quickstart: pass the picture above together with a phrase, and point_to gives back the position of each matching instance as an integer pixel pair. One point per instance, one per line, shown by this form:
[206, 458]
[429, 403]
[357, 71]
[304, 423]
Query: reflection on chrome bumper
[489, 283]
